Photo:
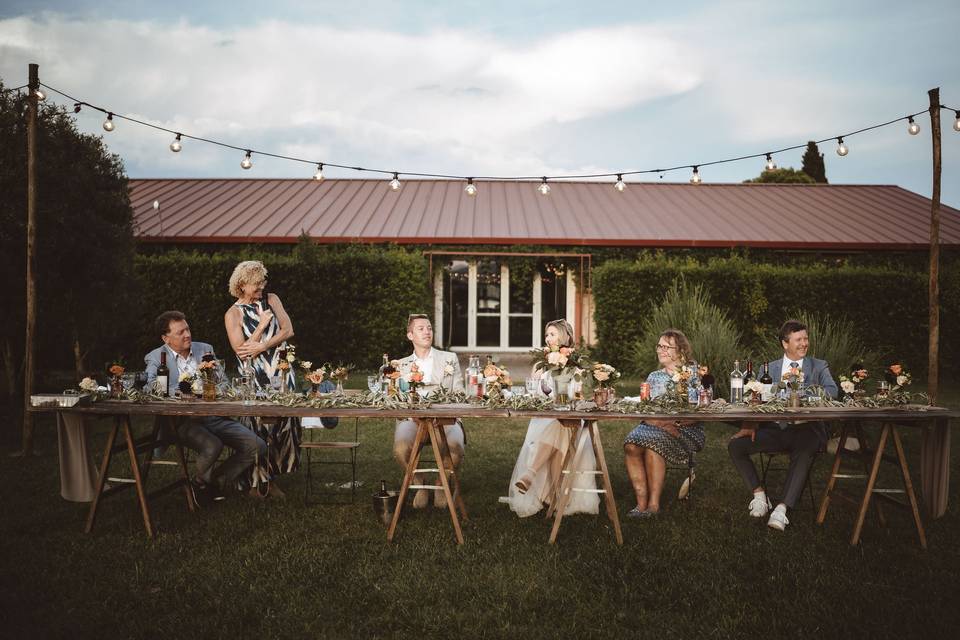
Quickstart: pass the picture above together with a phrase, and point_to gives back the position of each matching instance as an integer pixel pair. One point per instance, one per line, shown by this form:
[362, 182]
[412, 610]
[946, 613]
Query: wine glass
[140, 379]
[532, 386]
[129, 379]
[373, 383]
[546, 385]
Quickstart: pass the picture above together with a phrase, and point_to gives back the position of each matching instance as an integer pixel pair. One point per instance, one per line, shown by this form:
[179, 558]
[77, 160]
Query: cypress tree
[813, 163]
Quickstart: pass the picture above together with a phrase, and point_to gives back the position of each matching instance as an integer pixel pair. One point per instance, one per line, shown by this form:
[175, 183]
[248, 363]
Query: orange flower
[116, 370]
[416, 376]
[566, 351]
[896, 368]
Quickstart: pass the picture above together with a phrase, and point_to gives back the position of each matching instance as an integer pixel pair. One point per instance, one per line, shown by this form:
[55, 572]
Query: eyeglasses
[664, 347]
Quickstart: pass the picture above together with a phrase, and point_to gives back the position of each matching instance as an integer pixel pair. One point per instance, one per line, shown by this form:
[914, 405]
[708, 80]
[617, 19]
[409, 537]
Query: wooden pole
[933, 369]
[31, 332]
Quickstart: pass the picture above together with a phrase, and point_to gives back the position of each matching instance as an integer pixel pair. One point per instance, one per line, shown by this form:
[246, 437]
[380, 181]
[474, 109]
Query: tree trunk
[79, 356]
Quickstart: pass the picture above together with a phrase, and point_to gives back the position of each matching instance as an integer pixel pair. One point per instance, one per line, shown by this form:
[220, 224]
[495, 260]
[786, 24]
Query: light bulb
[956, 123]
[246, 163]
[395, 183]
[695, 178]
[470, 189]
[913, 128]
[108, 123]
[842, 149]
[620, 185]
[41, 96]
[175, 146]
[544, 188]
[771, 165]
[318, 176]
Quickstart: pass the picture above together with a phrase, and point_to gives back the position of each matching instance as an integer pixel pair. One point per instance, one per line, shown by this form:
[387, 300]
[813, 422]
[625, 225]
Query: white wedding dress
[549, 432]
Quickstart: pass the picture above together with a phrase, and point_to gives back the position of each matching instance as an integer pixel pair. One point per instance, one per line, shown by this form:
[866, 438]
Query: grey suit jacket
[815, 372]
[152, 360]
[452, 381]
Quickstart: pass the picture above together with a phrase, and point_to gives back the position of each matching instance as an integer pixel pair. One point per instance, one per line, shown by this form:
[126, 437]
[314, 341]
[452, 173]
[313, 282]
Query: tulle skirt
[546, 432]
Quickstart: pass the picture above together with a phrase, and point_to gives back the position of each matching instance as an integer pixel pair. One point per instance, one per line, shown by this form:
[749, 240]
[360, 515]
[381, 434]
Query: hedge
[347, 303]
[888, 306]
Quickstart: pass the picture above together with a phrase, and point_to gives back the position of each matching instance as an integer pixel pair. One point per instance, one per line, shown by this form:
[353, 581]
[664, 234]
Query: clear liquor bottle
[736, 383]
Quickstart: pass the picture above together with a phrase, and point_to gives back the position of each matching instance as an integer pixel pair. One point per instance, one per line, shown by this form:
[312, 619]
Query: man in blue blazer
[800, 440]
[206, 435]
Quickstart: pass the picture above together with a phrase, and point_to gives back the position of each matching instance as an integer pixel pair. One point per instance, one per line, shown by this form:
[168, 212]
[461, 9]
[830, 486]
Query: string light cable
[471, 181]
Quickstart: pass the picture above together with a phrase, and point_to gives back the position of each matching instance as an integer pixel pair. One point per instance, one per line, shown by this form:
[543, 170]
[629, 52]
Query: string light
[544, 188]
[175, 146]
[318, 176]
[842, 149]
[470, 189]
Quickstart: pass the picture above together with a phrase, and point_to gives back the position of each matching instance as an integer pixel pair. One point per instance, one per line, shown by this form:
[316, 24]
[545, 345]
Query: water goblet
[129, 379]
[532, 386]
[373, 383]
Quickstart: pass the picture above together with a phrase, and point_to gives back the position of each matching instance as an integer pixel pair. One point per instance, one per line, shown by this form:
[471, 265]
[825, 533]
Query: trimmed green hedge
[347, 303]
[888, 306]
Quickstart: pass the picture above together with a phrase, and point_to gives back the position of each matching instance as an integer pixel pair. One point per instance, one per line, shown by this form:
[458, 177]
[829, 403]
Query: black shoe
[202, 494]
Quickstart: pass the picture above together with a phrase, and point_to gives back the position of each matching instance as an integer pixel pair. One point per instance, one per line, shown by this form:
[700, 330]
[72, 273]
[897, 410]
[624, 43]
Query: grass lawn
[267, 569]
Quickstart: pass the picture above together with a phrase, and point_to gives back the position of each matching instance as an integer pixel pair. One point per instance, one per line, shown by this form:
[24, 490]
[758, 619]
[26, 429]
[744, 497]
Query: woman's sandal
[523, 483]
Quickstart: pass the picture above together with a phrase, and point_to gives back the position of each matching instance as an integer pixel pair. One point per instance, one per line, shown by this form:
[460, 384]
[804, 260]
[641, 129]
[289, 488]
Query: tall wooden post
[30, 338]
[933, 368]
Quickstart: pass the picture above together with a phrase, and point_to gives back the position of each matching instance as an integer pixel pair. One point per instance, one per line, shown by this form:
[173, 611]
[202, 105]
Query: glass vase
[209, 390]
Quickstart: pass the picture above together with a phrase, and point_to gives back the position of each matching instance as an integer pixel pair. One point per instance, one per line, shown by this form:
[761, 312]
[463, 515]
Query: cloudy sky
[501, 88]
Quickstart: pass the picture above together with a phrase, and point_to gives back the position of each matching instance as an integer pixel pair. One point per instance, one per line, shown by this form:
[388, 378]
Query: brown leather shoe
[274, 491]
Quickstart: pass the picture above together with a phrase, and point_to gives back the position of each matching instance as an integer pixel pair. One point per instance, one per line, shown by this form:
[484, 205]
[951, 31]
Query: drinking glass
[532, 386]
[373, 383]
[140, 379]
[546, 385]
[129, 379]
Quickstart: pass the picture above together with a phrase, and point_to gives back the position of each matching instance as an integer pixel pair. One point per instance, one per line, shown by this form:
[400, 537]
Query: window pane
[488, 331]
[553, 296]
[521, 290]
[488, 287]
[521, 332]
[455, 304]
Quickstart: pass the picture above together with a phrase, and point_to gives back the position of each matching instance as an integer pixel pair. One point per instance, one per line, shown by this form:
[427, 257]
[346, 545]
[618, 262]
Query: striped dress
[281, 435]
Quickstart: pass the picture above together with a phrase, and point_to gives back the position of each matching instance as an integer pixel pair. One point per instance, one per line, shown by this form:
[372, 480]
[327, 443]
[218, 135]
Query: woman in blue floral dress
[653, 443]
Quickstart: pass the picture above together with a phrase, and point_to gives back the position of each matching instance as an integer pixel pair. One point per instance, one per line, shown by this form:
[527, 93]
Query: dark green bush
[888, 307]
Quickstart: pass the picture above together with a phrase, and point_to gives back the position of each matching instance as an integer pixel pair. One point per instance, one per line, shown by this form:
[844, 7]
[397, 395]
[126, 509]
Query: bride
[544, 447]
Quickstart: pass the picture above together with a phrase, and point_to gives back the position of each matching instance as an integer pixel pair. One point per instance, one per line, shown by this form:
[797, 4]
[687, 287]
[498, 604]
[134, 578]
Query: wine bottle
[163, 375]
[766, 392]
[383, 490]
[748, 375]
[472, 377]
[736, 383]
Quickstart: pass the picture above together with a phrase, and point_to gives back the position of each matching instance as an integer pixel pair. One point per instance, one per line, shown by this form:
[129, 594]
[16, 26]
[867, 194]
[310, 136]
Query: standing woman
[538, 466]
[654, 442]
[258, 328]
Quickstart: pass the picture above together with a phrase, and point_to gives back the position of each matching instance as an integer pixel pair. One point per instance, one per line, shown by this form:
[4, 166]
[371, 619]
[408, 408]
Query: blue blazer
[815, 372]
[152, 360]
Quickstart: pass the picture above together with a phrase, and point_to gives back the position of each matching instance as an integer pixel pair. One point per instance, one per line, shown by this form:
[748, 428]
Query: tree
[84, 241]
[813, 163]
[783, 175]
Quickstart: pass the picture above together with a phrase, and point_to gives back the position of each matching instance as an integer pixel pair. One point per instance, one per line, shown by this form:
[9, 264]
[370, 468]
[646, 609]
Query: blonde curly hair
[247, 272]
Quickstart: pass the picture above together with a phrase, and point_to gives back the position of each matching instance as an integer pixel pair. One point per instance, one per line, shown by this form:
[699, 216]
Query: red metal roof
[503, 212]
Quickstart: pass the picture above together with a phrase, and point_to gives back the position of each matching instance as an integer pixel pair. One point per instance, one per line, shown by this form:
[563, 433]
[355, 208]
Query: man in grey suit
[206, 435]
[801, 440]
[439, 368]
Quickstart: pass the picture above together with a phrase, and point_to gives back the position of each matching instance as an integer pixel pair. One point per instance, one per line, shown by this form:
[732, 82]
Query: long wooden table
[934, 421]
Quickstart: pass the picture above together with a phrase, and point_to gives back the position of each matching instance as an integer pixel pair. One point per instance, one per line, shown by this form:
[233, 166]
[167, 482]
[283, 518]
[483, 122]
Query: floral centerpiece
[852, 384]
[314, 376]
[339, 374]
[190, 384]
[496, 379]
[116, 381]
[413, 378]
[449, 367]
[897, 376]
[88, 385]
[755, 390]
[207, 375]
[681, 382]
[604, 377]
[793, 380]
[565, 364]
[392, 374]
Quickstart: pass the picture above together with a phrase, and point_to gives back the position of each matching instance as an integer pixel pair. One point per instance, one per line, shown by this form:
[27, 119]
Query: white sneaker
[760, 505]
[778, 519]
